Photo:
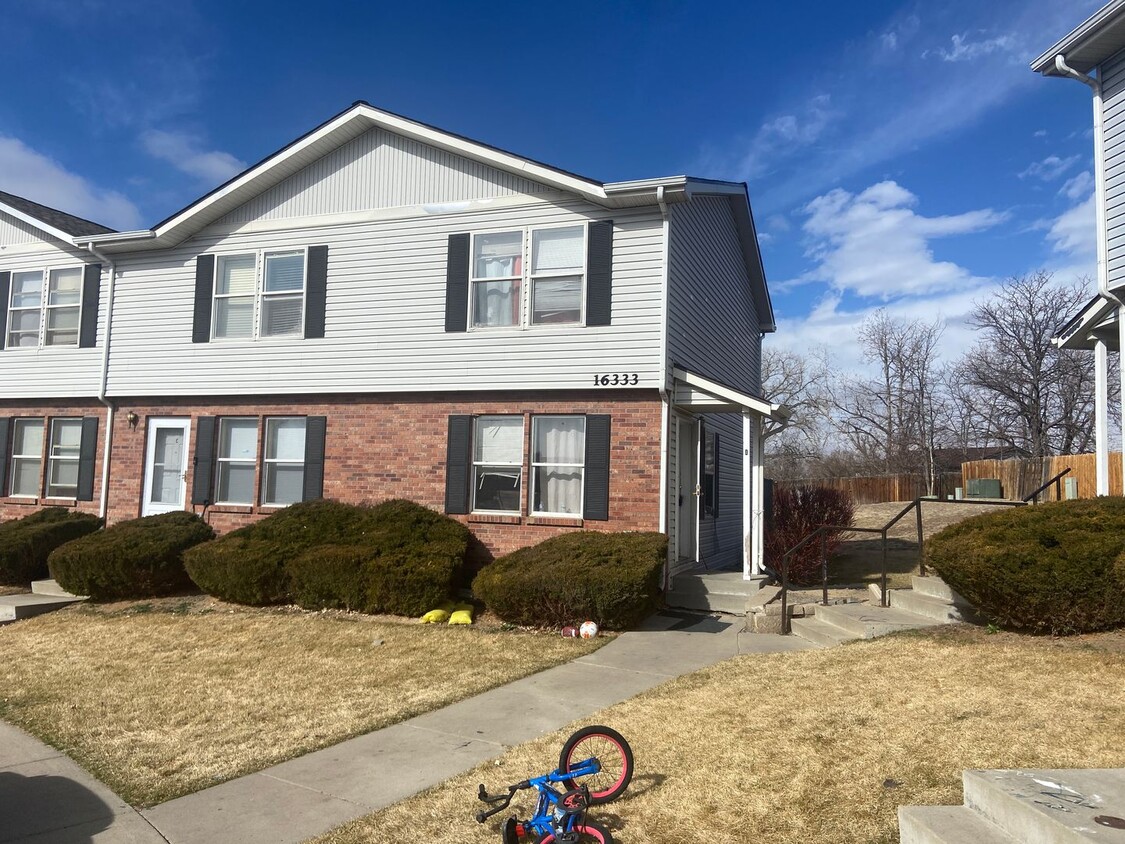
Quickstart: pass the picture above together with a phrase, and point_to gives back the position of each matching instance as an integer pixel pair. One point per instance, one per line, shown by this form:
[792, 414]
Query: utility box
[983, 488]
[1070, 488]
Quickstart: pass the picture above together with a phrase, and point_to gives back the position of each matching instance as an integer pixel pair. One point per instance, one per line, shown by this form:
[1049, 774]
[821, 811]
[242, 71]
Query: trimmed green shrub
[397, 557]
[1054, 568]
[610, 578]
[139, 558]
[26, 543]
[797, 512]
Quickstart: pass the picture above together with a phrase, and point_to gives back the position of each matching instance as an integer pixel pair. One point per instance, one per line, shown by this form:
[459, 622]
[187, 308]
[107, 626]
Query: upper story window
[530, 276]
[259, 295]
[44, 315]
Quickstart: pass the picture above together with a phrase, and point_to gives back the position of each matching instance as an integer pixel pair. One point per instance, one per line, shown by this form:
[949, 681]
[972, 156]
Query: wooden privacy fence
[876, 489]
[1018, 477]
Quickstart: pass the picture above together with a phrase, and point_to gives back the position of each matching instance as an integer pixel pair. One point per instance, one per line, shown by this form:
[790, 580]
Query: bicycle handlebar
[503, 800]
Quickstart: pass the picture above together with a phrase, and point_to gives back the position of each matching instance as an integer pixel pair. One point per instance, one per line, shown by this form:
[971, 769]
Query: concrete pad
[255, 809]
[538, 704]
[668, 653]
[386, 766]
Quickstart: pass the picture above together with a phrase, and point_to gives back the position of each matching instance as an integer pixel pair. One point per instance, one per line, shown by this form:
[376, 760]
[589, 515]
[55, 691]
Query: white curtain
[560, 440]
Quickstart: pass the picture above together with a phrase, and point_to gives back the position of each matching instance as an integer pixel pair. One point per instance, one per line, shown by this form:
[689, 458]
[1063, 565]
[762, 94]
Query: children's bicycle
[595, 767]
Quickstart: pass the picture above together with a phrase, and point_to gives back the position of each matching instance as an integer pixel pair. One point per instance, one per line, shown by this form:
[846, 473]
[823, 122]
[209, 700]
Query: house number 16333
[616, 379]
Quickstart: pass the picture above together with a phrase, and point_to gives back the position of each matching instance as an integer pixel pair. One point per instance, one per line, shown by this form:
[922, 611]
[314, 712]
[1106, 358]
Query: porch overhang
[699, 394]
[1097, 321]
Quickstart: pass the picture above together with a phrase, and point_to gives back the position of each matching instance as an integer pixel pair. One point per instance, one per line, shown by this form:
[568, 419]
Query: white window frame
[267, 461]
[533, 465]
[220, 460]
[42, 308]
[260, 293]
[53, 458]
[527, 278]
[29, 421]
[518, 466]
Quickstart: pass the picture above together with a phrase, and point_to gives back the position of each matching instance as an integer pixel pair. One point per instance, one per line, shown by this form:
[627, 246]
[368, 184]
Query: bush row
[25, 544]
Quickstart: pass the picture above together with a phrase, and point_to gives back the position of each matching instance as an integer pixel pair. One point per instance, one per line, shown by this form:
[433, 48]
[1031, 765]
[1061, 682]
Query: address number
[616, 379]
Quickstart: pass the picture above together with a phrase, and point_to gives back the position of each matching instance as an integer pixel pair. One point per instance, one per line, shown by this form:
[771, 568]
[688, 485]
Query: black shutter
[457, 284]
[203, 471]
[87, 454]
[5, 430]
[457, 463]
[596, 504]
[599, 272]
[5, 283]
[316, 292]
[204, 293]
[315, 429]
[91, 293]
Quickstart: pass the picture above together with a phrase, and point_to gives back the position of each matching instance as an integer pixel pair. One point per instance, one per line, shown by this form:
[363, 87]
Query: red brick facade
[380, 447]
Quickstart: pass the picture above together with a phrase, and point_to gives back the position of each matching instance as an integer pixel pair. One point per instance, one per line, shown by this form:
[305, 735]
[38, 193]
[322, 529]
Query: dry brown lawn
[164, 698]
[820, 746]
[859, 560]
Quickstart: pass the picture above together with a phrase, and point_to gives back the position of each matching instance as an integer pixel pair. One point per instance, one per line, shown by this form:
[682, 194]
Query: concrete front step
[727, 592]
[947, 825]
[16, 607]
[865, 621]
[819, 632]
[927, 606]
[935, 587]
[731, 603]
[1050, 806]
[51, 587]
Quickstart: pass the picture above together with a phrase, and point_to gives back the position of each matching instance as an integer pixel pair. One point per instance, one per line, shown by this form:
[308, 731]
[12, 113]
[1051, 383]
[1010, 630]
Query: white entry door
[166, 466]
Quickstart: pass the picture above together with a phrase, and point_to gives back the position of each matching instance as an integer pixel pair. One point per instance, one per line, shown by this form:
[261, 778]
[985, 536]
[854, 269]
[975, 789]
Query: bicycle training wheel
[613, 754]
[588, 833]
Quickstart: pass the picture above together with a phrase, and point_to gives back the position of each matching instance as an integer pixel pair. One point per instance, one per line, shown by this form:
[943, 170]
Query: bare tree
[1040, 397]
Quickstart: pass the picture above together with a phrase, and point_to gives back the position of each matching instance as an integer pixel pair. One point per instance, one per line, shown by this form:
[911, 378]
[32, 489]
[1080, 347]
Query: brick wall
[380, 447]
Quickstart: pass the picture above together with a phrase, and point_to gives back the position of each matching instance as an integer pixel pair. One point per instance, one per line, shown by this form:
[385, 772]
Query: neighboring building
[383, 309]
[1094, 53]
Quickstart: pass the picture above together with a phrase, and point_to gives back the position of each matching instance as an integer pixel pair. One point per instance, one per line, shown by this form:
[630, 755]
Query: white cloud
[1050, 168]
[32, 175]
[785, 135]
[874, 243]
[1039, 133]
[964, 49]
[1074, 232]
[1078, 186]
[186, 153]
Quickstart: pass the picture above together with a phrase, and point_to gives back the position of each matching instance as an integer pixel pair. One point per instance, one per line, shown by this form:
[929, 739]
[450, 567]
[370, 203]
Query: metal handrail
[822, 532]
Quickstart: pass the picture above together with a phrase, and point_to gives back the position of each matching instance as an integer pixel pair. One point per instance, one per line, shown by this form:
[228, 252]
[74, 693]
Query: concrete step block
[865, 621]
[51, 587]
[707, 602]
[765, 595]
[928, 606]
[935, 587]
[820, 632]
[16, 607]
[947, 825]
[1049, 806]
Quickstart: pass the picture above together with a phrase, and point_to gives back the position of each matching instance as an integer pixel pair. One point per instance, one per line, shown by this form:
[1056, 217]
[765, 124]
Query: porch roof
[1096, 321]
[695, 392]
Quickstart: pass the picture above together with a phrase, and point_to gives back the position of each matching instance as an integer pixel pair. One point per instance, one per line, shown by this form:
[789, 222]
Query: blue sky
[899, 154]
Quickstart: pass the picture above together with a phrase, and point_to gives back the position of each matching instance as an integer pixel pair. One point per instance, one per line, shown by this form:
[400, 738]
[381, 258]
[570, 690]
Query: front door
[166, 466]
[687, 475]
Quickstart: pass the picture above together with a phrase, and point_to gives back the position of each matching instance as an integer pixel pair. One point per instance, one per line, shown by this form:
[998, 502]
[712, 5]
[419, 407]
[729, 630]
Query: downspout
[665, 399]
[103, 504]
[1101, 364]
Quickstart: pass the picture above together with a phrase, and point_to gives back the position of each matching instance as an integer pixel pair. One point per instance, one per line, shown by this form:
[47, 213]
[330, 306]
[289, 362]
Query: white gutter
[103, 504]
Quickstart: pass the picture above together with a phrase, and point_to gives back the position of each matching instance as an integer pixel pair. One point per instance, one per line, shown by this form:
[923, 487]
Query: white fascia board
[1076, 333]
[58, 234]
[1078, 39]
[777, 412]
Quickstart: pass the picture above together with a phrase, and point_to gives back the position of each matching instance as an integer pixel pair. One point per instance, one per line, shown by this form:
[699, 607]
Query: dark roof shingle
[74, 226]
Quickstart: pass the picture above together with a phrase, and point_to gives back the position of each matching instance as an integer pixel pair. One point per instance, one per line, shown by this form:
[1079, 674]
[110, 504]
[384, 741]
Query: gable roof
[1089, 44]
[58, 224]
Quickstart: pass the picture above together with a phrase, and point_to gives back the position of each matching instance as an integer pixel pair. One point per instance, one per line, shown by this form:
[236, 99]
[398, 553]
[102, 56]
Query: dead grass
[163, 698]
[859, 560]
[820, 746]
[12, 590]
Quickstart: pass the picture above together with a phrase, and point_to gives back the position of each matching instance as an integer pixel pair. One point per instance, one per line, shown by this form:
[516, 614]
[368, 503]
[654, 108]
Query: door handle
[681, 501]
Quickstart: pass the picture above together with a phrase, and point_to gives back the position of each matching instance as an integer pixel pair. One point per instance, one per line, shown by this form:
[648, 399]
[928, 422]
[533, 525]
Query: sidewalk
[309, 795]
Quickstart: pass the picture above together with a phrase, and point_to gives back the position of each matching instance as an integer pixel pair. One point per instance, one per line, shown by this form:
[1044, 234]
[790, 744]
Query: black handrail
[822, 532]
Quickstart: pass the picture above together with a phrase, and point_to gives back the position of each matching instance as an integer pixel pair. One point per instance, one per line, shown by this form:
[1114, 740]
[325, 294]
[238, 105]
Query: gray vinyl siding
[720, 539]
[385, 315]
[52, 371]
[712, 320]
[380, 169]
[1112, 74]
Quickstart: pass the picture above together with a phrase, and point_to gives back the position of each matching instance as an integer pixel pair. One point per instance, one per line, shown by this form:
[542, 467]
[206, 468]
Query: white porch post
[748, 446]
[759, 496]
[1101, 416]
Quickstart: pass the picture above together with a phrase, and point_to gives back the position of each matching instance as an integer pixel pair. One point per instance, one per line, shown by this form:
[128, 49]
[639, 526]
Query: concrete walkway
[316, 792]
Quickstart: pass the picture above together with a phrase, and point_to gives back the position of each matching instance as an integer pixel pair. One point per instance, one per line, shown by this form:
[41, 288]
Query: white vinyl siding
[62, 458]
[497, 464]
[27, 458]
[385, 315]
[379, 169]
[713, 326]
[283, 465]
[1112, 75]
[558, 464]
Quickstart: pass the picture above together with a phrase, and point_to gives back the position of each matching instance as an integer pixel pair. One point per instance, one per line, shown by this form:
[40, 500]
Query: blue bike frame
[550, 816]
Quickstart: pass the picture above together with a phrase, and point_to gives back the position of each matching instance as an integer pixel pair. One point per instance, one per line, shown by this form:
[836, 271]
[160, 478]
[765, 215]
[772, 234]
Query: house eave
[1089, 44]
